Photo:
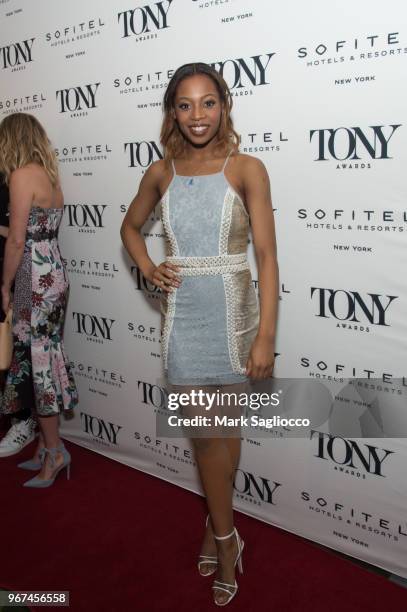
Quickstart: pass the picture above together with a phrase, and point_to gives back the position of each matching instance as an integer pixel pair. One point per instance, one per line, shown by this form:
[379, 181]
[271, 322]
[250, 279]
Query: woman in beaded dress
[216, 334]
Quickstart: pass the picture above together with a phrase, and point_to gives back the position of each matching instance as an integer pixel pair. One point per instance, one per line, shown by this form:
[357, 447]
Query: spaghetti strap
[227, 159]
[173, 166]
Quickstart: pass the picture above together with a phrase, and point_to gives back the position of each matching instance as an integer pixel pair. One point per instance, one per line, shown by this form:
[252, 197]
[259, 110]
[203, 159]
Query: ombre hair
[171, 138]
[23, 140]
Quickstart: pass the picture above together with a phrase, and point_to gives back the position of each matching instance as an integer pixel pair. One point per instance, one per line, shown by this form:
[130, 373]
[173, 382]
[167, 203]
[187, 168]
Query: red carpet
[121, 540]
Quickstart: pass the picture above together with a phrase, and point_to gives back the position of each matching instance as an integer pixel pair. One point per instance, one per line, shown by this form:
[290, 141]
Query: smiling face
[198, 109]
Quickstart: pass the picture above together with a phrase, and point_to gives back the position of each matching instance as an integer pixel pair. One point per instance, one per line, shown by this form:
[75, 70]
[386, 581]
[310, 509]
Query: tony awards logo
[350, 454]
[142, 154]
[99, 430]
[16, 55]
[353, 143]
[242, 73]
[95, 328]
[77, 100]
[144, 20]
[352, 307]
[86, 217]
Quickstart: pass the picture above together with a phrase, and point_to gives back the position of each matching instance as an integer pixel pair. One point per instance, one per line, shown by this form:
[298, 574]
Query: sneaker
[18, 436]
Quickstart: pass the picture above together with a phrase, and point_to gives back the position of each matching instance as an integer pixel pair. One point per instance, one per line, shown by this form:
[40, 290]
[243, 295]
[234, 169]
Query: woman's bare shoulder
[19, 176]
[23, 172]
[29, 172]
[248, 161]
[159, 172]
[159, 168]
[248, 165]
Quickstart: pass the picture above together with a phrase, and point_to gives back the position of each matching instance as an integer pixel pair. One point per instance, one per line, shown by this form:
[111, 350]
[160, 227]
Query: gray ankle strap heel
[37, 482]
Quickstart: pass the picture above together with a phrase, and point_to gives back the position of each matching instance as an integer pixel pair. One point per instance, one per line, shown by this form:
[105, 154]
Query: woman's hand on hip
[164, 276]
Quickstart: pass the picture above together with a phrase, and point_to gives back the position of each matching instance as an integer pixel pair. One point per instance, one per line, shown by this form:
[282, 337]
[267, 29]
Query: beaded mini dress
[210, 321]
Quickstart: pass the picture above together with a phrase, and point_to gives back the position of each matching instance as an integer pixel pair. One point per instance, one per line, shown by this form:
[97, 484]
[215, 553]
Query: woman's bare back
[45, 194]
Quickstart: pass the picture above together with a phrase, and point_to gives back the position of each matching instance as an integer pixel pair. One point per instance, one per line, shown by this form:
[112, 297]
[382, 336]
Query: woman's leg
[217, 451]
[49, 428]
[216, 473]
[40, 445]
[233, 439]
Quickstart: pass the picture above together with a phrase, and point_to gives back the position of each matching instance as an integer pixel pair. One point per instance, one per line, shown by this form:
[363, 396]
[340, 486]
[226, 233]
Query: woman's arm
[139, 210]
[258, 200]
[21, 197]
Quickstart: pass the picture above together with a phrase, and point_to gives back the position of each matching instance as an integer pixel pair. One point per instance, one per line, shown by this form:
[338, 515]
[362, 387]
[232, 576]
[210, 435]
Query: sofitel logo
[142, 153]
[352, 307]
[23, 103]
[348, 452]
[238, 73]
[92, 326]
[91, 152]
[106, 432]
[78, 31]
[144, 82]
[252, 486]
[324, 369]
[260, 142]
[141, 332]
[91, 267]
[144, 19]
[363, 47]
[98, 374]
[17, 54]
[332, 215]
[78, 98]
[342, 143]
[369, 522]
[85, 215]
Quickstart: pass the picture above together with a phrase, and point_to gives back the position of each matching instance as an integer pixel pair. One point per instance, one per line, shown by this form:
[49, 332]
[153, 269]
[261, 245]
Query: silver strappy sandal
[231, 589]
[207, 559]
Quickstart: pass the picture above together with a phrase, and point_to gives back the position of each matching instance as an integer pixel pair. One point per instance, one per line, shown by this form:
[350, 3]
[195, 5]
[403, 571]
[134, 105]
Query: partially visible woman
[39, 373]
[22, 430]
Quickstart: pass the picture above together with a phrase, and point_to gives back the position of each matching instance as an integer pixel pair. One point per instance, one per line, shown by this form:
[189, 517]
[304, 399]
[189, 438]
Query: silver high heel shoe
[207, 559]
[40, 482]
[231, 589]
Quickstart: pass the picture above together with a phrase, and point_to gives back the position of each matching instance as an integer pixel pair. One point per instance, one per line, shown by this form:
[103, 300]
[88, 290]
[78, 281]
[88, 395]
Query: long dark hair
[171, 137]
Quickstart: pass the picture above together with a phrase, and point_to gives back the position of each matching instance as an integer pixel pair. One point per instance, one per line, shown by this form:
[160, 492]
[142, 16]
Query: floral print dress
[40, 375]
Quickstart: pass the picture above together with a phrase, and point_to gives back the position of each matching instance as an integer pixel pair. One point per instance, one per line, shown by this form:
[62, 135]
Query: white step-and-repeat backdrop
[319, 96]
